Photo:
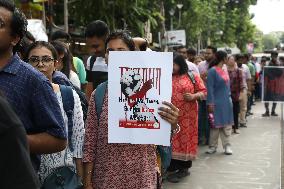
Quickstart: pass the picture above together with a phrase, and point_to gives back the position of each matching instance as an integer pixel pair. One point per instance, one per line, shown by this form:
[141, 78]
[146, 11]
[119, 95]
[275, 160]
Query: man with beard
[28, 91]
[203, 126]
[96, 68]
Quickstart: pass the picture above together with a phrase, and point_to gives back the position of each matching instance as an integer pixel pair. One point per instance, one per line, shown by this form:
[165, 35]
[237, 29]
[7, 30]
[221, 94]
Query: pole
[43, 14]
[282, 149]
[66, 15]
[179, 17]
[282, 124]
[172, 27]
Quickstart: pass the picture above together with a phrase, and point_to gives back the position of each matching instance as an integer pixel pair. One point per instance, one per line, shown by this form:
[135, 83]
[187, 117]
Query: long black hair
[61, 48]
[220, 56]
[180, 61]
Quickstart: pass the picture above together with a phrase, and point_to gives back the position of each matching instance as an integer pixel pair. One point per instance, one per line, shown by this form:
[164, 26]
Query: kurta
[219, 96]
[185, 142]
[118, 166]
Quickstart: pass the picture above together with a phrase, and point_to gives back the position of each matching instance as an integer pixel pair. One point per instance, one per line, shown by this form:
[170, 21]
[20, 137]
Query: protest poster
[273, 84]
[138, 84]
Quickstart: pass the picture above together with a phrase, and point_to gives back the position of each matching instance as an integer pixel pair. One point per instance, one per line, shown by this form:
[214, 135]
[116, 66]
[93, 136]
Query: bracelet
[89, 172]
[176, 130]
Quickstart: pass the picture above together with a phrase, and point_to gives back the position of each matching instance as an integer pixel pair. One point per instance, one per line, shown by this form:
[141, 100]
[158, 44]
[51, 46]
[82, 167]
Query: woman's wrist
[176, 130]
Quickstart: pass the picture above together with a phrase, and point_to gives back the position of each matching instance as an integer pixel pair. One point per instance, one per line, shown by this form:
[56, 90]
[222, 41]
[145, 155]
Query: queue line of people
[39, 102]
[211, 98]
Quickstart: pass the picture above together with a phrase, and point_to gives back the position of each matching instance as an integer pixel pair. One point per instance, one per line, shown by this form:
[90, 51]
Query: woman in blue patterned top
[219, 104]
[42, 56]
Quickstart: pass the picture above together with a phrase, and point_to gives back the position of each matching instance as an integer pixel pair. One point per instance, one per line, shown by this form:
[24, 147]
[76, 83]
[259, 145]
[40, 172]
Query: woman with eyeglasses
[43, 57]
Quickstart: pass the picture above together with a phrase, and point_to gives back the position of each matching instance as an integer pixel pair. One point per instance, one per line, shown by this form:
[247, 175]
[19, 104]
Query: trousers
[243, 106]
[224, 133]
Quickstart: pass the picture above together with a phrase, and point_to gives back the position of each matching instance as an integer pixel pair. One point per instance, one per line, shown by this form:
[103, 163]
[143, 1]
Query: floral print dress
[119, 166]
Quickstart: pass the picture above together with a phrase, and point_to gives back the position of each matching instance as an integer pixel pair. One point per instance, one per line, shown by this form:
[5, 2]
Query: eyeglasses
[45, 60]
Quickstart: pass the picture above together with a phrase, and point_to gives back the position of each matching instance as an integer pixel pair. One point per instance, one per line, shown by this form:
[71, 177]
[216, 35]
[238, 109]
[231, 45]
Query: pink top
[118, 166]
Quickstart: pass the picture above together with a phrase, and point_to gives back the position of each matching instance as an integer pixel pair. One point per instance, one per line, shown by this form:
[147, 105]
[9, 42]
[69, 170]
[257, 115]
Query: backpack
[61, 79]
[99, 98]
[83, 100]
[165, 152]
[100, 76]
[68, 106]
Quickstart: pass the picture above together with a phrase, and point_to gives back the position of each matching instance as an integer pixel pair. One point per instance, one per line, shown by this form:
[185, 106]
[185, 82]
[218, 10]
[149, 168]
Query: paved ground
[255, 163]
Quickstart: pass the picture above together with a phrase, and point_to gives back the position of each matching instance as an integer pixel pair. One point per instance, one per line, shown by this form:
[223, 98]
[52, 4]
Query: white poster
[176, 37]
[138, 84]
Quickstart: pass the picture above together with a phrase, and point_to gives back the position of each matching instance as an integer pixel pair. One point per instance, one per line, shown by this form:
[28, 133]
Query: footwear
[228, 150]
[274, 114]
[266, 114]
[243, 125]
[237, 131]
[182, 173]
[250, 113]
[211, 150]
[173, 178]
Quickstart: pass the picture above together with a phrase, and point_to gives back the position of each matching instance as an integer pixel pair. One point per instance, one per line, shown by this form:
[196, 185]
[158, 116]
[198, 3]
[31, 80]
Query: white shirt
[246, 74]
[75, 79]
[99, 65]
[192, 67]
[49, 162]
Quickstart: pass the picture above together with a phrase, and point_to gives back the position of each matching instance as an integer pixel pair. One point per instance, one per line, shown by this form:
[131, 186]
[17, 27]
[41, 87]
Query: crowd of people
[56, 123]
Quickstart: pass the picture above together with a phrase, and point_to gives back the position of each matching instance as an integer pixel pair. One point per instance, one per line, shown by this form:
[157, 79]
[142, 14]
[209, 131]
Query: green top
[80, 69]
[252, 69]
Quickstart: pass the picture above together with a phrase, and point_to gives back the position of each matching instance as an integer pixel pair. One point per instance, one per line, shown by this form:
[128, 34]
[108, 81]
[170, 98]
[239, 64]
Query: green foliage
[221, 22]
[270, 41]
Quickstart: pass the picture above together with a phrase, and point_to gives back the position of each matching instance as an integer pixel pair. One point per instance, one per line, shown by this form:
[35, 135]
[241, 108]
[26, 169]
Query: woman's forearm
[88, 173]
[79, 168]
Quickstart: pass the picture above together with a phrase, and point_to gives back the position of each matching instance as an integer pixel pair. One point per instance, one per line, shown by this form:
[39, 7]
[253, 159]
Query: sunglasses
[45, 60]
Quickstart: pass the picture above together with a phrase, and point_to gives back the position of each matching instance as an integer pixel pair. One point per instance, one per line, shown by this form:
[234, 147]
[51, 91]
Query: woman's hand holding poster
[138, 84]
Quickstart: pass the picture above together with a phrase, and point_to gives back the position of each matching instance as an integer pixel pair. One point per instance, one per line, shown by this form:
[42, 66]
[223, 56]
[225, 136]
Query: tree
[270, 41]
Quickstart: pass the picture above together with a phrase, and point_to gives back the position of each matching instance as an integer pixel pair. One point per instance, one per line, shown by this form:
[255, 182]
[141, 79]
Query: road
[255, 163]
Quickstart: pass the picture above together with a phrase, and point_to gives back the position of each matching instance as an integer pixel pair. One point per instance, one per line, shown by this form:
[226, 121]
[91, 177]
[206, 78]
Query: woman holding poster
[113, 165]
[187, 89]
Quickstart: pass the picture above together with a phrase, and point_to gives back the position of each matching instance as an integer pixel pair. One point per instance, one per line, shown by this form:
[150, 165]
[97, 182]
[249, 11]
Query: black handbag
[62, 178]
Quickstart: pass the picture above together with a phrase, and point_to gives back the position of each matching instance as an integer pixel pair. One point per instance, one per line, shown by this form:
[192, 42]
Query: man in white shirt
[191, 66]
[96, 68]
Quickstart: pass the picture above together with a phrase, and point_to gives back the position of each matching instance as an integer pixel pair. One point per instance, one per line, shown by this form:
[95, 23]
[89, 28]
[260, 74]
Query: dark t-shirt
[16, 168]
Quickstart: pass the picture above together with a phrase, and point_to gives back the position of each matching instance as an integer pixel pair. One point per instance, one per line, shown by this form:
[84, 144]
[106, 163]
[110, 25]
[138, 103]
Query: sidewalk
[255, 163]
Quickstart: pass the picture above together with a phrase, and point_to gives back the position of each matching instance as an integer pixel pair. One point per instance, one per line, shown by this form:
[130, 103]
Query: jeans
[203, 126]
[236, 111]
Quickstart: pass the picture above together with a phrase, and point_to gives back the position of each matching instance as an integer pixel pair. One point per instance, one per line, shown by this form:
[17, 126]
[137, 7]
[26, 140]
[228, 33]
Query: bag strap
[68, 106]
[92, 62]
[192, 78]
[99, 98]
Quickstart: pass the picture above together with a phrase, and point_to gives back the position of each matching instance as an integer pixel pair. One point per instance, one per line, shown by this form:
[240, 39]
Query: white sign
[138, 84]
[175, 38]
[37, 29]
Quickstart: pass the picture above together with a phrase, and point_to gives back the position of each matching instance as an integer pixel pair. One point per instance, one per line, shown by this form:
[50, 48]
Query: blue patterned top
[31, 95]
[219, 96]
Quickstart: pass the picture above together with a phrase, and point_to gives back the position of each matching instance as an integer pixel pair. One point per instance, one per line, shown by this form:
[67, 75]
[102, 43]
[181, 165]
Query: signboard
[176, 38]
[273, 84]
[36, 27]
[138, 84]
